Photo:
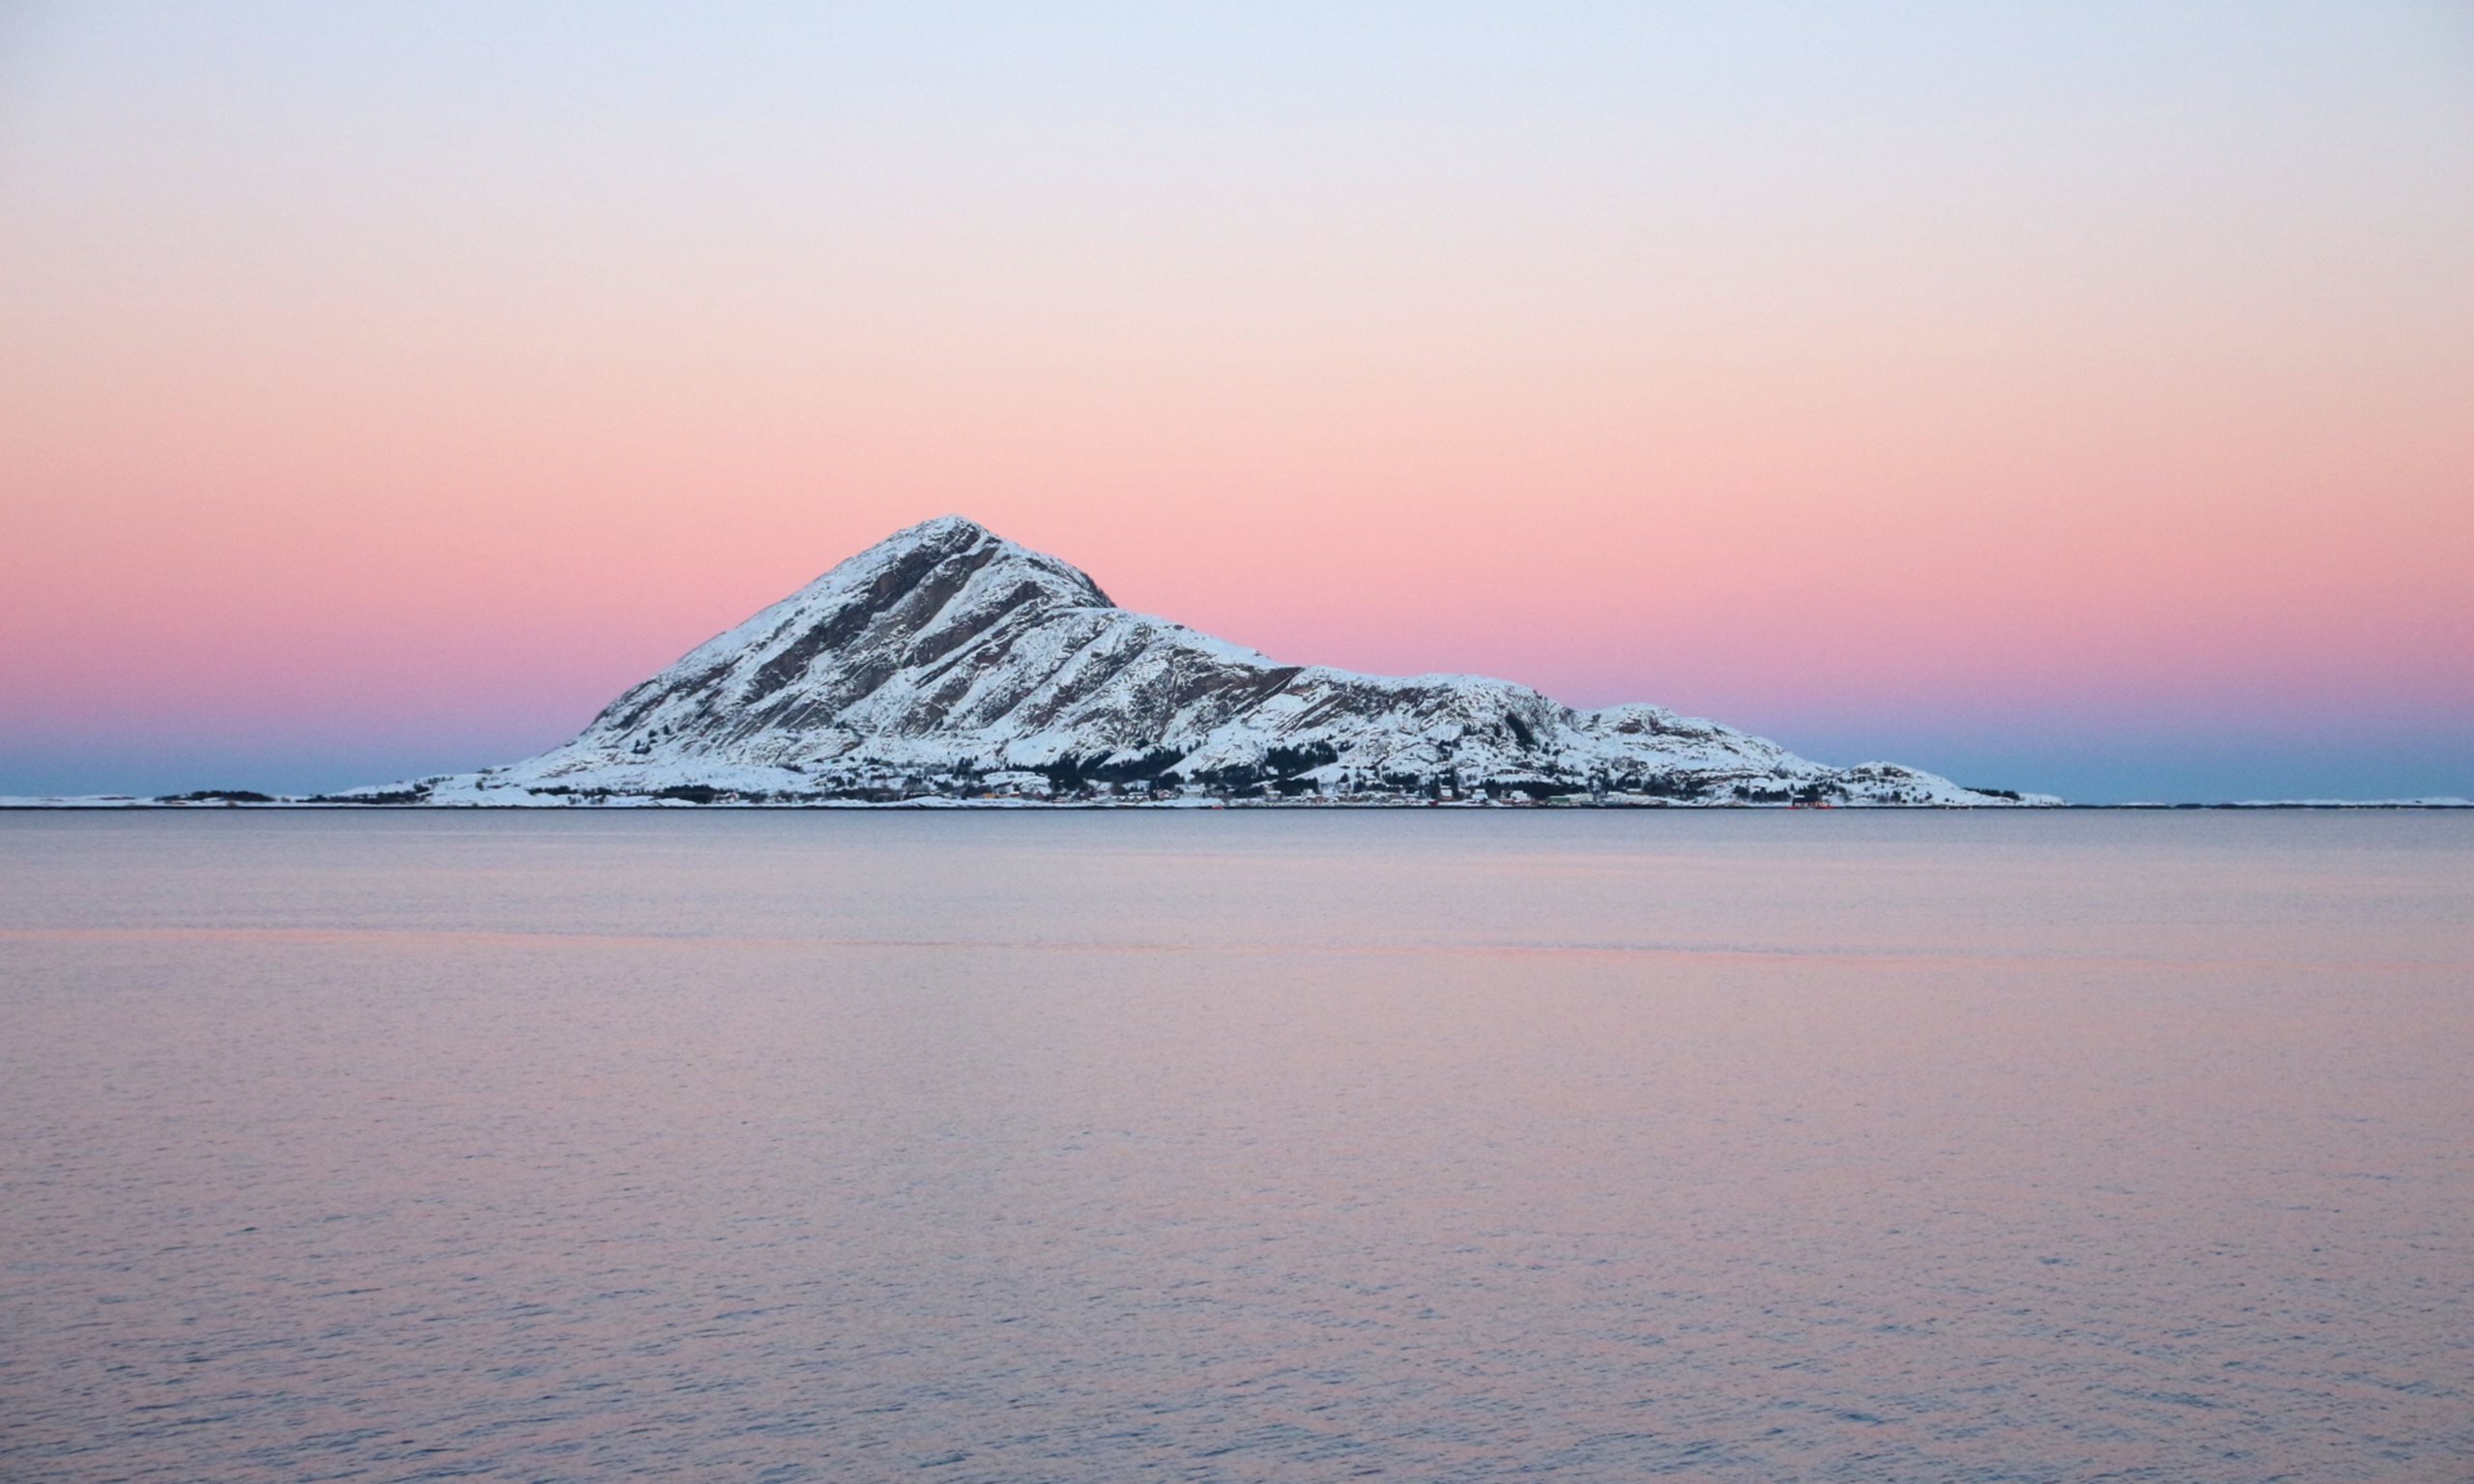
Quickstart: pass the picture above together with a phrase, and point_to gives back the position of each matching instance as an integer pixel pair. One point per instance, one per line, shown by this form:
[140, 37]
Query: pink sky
[418, 415]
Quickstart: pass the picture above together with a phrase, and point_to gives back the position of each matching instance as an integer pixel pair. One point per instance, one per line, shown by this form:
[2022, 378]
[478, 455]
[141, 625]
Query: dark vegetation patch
[1276, 766]
[1539, 789]
[418, 794]
[1069, 772]
[1289, 761]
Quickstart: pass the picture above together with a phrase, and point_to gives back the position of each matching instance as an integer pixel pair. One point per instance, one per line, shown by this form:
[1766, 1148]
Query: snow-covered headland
[947, 666]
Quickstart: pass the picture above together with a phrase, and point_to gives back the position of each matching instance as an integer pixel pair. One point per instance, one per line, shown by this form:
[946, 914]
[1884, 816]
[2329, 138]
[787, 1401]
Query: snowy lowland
[947, 663]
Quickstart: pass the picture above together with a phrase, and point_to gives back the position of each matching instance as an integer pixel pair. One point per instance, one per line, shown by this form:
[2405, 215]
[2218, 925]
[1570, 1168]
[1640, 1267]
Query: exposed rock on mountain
[947, 663]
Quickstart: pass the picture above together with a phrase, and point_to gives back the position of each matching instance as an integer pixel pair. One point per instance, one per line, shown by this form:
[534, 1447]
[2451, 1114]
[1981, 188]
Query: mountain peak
[951, 544]
[943, 527]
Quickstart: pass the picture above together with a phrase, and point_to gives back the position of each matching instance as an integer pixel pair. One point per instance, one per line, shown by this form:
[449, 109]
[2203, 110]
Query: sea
[1098, 1147]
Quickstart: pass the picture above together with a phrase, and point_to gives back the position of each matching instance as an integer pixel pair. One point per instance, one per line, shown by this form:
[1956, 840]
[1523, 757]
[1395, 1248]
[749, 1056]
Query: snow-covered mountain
[948, 663]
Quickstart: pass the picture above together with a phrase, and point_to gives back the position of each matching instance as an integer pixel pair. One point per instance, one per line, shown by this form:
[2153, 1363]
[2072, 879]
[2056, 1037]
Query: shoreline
[111, 804]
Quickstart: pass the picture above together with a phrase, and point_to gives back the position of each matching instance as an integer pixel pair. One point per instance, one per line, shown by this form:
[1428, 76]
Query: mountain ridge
[947, 663]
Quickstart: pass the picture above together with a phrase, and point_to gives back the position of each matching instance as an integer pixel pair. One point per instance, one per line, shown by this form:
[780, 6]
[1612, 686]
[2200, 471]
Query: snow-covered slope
[946, 662]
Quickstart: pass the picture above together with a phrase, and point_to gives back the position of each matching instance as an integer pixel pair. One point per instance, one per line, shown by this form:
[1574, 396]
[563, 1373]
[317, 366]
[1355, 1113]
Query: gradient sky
[2075, 398]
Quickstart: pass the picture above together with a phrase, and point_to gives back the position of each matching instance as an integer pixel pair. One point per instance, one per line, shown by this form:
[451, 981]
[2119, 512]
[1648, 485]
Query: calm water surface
[1093, 1148]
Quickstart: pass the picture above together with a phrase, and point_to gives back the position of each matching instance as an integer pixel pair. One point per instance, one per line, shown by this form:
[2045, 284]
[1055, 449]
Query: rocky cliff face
[947, 663]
